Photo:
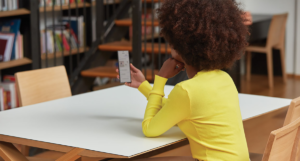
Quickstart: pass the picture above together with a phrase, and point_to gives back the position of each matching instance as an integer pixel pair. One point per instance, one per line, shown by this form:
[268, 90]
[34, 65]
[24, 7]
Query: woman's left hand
[170, 68]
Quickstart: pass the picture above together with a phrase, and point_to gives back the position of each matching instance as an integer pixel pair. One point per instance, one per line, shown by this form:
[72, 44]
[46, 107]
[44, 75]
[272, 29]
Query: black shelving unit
[28, 13]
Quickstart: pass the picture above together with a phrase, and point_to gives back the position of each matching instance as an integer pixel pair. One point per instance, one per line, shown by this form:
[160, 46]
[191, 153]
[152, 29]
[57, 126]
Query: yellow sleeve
[145, 89]
[160, 118]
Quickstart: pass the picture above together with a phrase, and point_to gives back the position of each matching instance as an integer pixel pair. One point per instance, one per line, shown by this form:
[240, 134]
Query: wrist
[162, 75]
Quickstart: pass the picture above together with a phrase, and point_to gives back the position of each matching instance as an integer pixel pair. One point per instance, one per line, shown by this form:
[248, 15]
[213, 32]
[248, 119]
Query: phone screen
[124, 67]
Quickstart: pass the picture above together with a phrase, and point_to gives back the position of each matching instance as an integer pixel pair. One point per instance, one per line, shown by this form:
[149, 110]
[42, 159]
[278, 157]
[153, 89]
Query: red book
[9, 78]
[65, 42]
[75, 37]
[2, 49]
[73, 33]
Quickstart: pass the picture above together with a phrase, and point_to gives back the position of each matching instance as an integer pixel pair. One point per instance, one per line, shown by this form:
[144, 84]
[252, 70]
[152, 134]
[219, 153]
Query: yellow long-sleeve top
[206, 108]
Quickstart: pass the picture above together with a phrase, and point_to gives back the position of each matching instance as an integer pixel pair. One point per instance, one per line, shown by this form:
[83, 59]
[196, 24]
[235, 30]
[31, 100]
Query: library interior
[149, 80]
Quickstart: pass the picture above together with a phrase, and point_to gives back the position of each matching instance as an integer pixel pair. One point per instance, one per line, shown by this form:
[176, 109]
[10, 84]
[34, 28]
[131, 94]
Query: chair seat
[260, 49]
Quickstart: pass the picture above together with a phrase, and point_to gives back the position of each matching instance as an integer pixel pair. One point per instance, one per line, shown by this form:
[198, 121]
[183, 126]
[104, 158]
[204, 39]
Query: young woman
[205, 36]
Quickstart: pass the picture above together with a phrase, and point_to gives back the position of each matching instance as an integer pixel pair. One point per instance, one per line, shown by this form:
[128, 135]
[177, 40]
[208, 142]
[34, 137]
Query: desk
[106, 123]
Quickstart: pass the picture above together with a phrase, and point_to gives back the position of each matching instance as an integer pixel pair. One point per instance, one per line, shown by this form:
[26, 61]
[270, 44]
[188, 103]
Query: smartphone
[124, 67]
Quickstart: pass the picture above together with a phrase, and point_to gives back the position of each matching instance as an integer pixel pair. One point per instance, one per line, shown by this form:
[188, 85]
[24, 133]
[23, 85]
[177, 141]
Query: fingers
[134, 69]
[128, 84]
[179, 67]
[178, 62]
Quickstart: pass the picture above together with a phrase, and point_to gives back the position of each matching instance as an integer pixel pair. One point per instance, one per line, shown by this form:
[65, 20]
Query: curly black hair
[207, 34]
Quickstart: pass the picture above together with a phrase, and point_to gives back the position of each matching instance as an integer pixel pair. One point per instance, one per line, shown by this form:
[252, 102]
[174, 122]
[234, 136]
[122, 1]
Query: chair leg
[282, 55]
[270, 68]
[248, 63]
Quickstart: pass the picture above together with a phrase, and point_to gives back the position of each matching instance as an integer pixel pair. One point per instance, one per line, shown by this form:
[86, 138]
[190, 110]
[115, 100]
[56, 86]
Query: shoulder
[179, 91]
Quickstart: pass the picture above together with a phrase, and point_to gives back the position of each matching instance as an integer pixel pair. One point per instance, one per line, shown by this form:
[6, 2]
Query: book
[2, 48]
[6, 100]
[20, 46]
[11, 26]
[12, 79]
[9, 78]
[76, 23]
[11, 95]
[10, 5]
[4, 5]
[6, 46]
[2, 106]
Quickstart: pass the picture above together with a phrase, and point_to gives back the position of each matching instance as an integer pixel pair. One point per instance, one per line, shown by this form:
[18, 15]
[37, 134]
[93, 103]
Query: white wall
[298, 40]
[277, 7]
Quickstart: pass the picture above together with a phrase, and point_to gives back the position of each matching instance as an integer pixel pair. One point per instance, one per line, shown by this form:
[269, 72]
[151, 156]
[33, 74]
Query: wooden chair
[282, 144]
[293, 112]
[275, 40]
[42, 85]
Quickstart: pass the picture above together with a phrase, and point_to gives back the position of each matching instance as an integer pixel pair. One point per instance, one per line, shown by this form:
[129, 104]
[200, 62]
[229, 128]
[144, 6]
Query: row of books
[11, 40]
[8, 5]
[8, 93]
[57, 2]
[61, 41]
[66, 36]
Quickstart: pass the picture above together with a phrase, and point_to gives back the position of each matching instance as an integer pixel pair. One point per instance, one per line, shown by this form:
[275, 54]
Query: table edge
[281, 108]
[55, 147]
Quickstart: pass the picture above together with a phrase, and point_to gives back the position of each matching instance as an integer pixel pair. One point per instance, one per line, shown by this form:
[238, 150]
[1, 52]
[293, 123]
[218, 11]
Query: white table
[106, 123]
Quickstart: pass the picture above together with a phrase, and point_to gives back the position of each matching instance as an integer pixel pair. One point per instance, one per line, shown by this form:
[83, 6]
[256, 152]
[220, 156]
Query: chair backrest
[42, 85]
[293, 111]
[276, 35]
[283, 143]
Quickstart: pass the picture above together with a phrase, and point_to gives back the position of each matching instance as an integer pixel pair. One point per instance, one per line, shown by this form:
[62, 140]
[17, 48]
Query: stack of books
[8, 5]
[66, 37]
[8, 93]
[11, 40]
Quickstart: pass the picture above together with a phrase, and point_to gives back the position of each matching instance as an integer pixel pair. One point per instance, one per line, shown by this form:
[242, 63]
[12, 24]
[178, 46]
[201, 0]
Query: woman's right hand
[137, 77]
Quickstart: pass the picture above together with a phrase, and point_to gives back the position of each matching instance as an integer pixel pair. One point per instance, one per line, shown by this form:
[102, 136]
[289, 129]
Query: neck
[191, 71]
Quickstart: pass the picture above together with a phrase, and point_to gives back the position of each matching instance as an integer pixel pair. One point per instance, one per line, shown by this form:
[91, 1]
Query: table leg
[10, 153]
[71, 155]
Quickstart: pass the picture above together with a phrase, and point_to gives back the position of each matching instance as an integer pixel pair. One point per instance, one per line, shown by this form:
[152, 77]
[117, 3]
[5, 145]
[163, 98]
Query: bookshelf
[65, 7]
[17, 12]
[66, 53]
[14, 63]
[28, 14]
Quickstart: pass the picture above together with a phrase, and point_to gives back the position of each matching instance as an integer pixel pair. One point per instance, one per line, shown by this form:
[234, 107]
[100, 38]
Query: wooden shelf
[125, 45]
[64, 7]
[110, 72]
[149, 36]
[128, 22]
[14, 63]
[17, 12]
[66, 53]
